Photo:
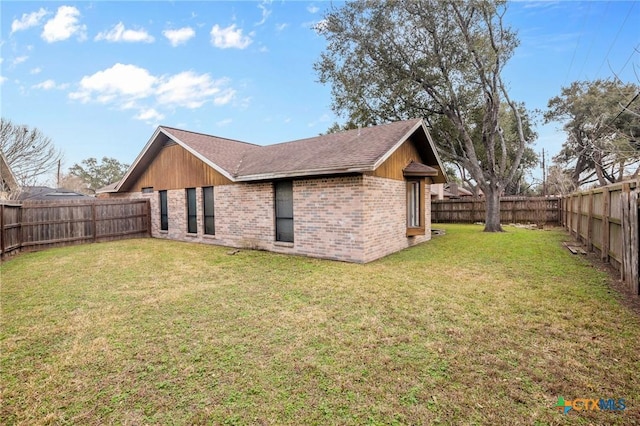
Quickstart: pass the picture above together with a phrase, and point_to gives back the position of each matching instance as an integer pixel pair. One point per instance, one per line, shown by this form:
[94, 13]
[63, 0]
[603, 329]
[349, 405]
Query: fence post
[634, 285]
[2, 238]
[606, 199]
[93, 222]
[148, 205]
[625, 207]
[590, 223]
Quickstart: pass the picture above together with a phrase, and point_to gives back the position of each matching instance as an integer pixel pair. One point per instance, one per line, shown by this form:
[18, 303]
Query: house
[44, 193]
[449, 191]
[9, 187]
[352, 196]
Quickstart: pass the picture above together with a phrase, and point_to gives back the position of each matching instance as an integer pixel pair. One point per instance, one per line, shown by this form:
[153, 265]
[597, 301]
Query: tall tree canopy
[603, 130]
[30, 154]
[97, 175]
[441, 60]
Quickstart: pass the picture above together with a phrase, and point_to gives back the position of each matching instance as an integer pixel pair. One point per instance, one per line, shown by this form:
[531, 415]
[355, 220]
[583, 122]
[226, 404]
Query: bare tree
[30, 154]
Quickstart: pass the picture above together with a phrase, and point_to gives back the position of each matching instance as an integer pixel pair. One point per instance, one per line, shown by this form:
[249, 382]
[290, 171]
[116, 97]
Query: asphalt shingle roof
[356, 150]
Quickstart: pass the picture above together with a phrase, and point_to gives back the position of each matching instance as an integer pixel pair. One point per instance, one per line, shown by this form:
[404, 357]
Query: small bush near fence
[37, 225]
[538, 210]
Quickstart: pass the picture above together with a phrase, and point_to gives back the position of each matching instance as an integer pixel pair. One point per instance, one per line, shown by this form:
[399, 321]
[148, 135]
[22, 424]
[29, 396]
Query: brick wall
[352, 218]
[386, 217]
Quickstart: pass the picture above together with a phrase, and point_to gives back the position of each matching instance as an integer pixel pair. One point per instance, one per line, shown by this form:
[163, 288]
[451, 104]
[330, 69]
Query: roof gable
[353, 151]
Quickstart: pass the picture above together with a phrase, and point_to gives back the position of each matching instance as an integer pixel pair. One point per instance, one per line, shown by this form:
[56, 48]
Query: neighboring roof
[39, 193]
[353, 151]
[6, 175]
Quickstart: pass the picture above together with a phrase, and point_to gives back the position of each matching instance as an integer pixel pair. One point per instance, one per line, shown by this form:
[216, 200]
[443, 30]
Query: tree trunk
[492, 219]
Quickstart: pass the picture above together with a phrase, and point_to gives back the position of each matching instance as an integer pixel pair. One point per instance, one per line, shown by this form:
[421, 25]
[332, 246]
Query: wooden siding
[393, 166]
[174, 168]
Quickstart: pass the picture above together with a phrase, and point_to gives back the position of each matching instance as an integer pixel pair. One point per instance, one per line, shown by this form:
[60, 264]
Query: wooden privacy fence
[36, 225]
[606, 220]
[538, 210]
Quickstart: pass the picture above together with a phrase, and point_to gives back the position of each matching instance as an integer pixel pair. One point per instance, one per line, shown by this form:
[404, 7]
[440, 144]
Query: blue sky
[98, 77]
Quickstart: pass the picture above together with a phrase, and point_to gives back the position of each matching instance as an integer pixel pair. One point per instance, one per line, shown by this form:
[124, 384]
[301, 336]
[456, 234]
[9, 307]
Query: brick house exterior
[354, 209]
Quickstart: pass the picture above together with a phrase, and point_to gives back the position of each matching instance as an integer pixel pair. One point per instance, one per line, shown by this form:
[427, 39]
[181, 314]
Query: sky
[98, 77]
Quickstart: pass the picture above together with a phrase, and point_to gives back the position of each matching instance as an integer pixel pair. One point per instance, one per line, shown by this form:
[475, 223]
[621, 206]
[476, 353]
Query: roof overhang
[419, 170]
[304, 173]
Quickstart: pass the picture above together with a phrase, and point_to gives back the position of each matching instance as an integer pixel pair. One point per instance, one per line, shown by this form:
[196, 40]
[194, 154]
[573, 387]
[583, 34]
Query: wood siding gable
[175, 168]
[393, 166]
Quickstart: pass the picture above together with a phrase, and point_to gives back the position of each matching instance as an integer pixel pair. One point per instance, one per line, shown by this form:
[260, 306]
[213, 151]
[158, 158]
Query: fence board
[608, 226]
[36, 225]
[539, 210]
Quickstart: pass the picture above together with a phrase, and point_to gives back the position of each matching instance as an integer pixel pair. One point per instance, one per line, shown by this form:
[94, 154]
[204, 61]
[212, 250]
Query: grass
[469, 328]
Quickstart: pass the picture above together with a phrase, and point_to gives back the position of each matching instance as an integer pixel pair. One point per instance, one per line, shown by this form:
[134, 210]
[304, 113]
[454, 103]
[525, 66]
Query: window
[284, 211]
[164, 216]
[415, 207]
[147, 190]
[192, 218]
[208, 214]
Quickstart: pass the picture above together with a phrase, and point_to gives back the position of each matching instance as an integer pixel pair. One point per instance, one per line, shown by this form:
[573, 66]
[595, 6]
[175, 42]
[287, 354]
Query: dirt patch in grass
[469, 328]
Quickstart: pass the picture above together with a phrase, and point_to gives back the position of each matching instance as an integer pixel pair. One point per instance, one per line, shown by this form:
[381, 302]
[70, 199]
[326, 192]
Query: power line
[573, 57]
[625, 108]
[593, 38]
[616, 37]
[633, 52]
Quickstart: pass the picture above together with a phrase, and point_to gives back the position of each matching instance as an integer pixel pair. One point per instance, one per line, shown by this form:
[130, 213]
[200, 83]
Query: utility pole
[58, 185]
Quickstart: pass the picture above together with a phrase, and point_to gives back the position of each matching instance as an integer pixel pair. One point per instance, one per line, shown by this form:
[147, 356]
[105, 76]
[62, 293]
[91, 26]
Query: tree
[30, 154]
[602, 130]
[441, 60]
[97, 175]
[559, 182]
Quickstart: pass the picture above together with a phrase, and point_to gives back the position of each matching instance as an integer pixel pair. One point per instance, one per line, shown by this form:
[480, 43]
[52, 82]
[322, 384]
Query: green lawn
[469, 328]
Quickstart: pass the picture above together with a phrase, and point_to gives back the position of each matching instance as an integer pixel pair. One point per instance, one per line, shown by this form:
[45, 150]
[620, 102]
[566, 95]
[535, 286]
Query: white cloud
[312, 8]
[265, 12]
[191, 90]
[64, 25]
[324, 118]
[149, 114]
[124, 81]
[280, 27]
[224, 122]
[45, 85]
[180, 36]
[48, 85]
[224, 97]
[118, 34]
[2, 79]
[19, 60]
[225, 38]
[28, 20]
[35, 71]
[128, 87]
